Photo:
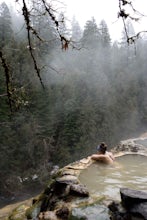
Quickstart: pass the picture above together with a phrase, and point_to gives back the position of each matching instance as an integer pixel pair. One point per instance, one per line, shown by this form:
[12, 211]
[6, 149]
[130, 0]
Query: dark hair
[103, 148]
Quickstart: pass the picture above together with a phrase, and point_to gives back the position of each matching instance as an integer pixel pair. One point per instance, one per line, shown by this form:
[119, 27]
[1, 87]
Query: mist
[94, 90]
[105, 81]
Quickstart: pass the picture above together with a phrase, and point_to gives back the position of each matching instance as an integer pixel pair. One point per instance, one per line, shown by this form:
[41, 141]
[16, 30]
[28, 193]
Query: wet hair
[102, 148]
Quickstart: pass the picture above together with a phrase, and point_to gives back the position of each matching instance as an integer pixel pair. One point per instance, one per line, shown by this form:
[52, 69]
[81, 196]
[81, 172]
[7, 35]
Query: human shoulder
[110, 154]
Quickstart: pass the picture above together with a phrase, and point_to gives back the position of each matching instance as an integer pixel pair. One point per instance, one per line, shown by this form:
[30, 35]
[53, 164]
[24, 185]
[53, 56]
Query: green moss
[48, 187]
[18, 213]
[90, 201]
[57, 174]
[33, 211]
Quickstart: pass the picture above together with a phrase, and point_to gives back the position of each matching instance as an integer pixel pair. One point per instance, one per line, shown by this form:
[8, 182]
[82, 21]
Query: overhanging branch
[124, 15]
[29, 30]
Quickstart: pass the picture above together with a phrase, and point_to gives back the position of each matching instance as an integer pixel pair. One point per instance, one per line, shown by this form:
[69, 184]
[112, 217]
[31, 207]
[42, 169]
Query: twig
[122, 13]
[29, 28]
[64, 41]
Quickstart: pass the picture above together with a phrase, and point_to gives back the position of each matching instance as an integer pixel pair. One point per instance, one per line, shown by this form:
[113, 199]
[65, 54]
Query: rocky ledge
[65, 198]
[133, 204]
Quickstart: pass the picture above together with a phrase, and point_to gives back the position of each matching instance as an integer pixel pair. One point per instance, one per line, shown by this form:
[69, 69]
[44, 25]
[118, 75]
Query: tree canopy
[96, 92]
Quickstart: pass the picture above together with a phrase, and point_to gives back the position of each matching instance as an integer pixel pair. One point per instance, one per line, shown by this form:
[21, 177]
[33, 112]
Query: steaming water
[129, 171]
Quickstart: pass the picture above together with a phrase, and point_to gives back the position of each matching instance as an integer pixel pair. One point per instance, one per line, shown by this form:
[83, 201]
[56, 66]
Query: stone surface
[65, 188]
[130, 197]
[48, 215]
[134, 201]
[118, 213]
[63, 213]
[33, 211]
[79, 190]
[140, 209]
[93, 212]
[68, 179]
[18, 213]
[134, 145]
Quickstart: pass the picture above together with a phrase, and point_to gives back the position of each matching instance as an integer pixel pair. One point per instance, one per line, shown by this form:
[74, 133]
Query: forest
[94, 90]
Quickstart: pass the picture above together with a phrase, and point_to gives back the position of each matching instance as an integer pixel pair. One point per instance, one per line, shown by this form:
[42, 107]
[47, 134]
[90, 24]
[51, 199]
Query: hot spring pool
[128, 171]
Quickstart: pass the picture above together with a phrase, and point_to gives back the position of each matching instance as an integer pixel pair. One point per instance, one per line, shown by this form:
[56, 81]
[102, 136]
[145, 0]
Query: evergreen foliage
[94, 94]
[5, 25]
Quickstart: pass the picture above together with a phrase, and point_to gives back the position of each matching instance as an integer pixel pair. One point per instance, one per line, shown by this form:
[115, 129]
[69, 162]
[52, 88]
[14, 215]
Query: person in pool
[103, 155]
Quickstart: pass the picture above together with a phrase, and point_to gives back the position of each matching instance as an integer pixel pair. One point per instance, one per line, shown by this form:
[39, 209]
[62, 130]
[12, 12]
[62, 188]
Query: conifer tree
[91, 34]
[6, 33]
[76, 30]
[104, 33]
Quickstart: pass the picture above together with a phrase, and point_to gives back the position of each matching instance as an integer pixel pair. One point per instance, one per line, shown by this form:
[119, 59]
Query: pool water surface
[128, 171]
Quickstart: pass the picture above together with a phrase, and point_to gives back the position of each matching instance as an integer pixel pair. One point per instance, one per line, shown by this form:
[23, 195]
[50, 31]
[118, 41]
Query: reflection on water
[128, 171]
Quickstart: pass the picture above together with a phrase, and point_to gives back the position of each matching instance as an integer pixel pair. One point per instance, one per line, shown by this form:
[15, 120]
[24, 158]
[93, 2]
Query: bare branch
[135, 37]
[122, 13]
[49, 10]
[29, 29]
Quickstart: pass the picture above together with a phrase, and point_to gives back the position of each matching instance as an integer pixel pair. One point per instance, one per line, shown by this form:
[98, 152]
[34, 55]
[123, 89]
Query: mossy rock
[19, 213]
[33, 211]
[85, 202]
[48, 188]
[96, 212]
[68, 179]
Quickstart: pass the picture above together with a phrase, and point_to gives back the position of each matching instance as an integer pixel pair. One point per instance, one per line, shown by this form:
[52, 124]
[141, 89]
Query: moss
[57, 174]
[33, 211]
[48, 187]
[42, 200]
[18, 213]
[90, 201]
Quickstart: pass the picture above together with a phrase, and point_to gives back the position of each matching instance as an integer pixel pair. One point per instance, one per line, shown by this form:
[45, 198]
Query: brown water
[128, 171]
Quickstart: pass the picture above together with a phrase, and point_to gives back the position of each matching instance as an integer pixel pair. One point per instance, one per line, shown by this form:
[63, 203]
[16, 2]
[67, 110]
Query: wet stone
[79, 190]
[134, 201]
[95, 212]
[68, 179]
[68, 172]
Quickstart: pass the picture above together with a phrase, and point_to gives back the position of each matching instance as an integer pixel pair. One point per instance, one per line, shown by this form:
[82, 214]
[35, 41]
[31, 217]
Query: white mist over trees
[95, 92]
